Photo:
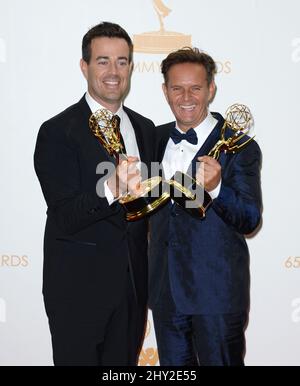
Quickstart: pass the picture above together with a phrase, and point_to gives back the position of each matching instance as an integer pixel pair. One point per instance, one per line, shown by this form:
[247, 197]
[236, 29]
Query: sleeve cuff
[108, 194]
[215, 192]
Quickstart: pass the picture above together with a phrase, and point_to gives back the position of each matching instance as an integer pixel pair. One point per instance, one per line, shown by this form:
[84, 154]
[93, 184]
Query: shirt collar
[203, 129]
[94, 105]
[206, 126]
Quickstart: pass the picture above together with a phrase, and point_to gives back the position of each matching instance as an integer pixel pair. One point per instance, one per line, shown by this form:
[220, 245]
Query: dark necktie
[189, 136]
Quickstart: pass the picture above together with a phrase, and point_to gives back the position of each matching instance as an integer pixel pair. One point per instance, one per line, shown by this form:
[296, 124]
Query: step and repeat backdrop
[256, 44]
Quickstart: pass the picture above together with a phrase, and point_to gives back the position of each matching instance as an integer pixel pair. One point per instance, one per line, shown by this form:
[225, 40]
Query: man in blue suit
[199, 268]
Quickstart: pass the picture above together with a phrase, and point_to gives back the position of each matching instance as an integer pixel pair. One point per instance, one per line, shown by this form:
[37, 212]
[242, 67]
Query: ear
[165, 90]
[84, 68]
[212, 90]
[130, 67]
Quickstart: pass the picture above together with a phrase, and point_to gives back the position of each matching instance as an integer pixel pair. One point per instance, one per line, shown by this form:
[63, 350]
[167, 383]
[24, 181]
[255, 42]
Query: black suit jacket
[88, 245]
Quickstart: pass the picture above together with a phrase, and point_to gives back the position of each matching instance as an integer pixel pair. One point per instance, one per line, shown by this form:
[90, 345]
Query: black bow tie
[189, 136]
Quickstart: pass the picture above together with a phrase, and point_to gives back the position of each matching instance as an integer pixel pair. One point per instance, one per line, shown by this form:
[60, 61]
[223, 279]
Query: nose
[186, 95]
[113, 69]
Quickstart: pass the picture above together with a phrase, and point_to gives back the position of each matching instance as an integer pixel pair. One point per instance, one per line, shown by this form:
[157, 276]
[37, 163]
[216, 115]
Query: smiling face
[108, 71]
[188, 93]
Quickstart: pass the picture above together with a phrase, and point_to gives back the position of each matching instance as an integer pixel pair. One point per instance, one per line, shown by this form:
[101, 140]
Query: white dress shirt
[127, 132]
[178, 157]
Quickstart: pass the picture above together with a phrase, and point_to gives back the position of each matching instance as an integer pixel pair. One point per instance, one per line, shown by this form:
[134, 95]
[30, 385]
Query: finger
[205, 174]
[208, 160]
[212, 169]
[201, 167]
[200, 178]
[132, 168]
[134, 184]
[134, 180]
[132, 159]
[122, 167]
[200, 174]
[123, 162]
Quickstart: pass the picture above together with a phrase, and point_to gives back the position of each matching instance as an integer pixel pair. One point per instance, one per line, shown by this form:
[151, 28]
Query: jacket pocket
[77, 242]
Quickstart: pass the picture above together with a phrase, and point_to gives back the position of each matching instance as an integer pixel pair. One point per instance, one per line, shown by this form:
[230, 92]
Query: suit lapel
[139, 136]
[86, 113]
[85, 109]
[164, 137]
[209, 143]
[145, 158]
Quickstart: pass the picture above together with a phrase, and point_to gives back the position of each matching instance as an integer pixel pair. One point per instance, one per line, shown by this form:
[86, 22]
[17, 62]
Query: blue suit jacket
[207, 260]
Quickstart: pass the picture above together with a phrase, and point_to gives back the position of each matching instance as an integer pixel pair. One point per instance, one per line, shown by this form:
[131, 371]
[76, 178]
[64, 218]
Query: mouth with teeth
[111, 83]
[187, 107]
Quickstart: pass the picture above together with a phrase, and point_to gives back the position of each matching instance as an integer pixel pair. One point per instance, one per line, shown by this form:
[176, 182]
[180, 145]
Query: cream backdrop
[257, 46]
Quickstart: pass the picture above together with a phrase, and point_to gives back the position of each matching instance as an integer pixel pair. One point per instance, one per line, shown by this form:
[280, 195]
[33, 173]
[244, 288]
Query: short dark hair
[189, 55]
[104, 29]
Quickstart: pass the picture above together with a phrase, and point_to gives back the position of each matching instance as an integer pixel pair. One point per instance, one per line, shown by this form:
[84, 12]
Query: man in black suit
[95, 263]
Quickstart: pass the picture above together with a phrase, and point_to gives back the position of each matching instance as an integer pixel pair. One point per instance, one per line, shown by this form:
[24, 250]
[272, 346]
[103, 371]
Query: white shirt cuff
[108, 194]
[215, 192]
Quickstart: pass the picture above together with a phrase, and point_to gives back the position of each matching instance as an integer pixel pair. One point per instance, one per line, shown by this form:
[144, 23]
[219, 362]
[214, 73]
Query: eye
[123, 62]
[102, 62]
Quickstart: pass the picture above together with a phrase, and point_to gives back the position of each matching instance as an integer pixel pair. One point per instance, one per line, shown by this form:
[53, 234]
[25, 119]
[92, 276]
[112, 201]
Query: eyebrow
[107, 57]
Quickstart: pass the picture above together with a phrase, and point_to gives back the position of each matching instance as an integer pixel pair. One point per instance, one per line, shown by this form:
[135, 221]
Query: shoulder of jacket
[138, 116]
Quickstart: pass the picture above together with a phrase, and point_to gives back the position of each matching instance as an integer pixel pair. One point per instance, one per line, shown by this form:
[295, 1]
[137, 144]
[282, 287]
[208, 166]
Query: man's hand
[126, 178]
[208, 173]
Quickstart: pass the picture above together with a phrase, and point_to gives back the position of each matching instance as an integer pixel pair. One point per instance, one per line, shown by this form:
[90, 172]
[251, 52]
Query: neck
[185, 127]
[113, 107]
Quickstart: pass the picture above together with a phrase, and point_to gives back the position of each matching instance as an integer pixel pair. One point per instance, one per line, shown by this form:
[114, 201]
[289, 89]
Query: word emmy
[152, 67]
